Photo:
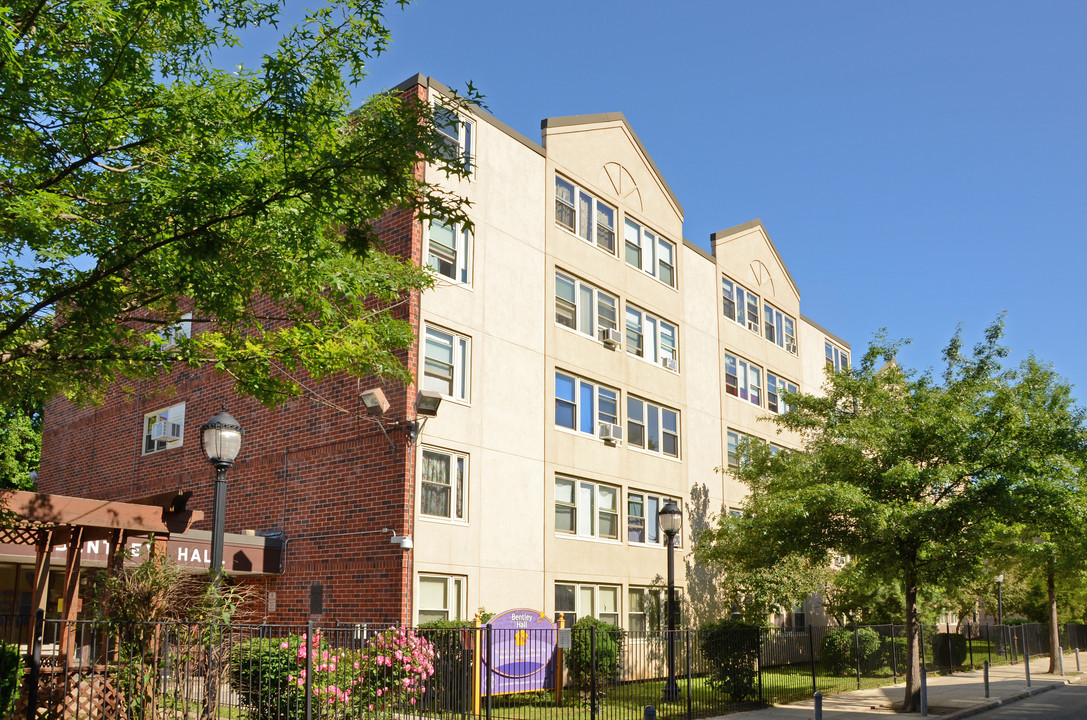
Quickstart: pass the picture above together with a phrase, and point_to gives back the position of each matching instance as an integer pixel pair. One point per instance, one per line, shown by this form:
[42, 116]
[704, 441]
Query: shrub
[270, 675]
[940, 650]
[731, 648]
[581, 660]
[11, 673]
[897, 661]
[839, 650]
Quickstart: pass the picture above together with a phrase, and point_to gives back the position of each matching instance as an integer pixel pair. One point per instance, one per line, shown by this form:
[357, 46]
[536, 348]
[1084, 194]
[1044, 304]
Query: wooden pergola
[51, 521]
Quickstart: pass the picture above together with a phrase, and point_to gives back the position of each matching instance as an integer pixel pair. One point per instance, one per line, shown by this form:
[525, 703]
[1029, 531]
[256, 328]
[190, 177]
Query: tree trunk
[912, 701]
[1054, 629]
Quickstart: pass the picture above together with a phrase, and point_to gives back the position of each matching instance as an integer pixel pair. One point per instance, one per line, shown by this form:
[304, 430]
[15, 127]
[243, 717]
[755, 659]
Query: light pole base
[671, 691]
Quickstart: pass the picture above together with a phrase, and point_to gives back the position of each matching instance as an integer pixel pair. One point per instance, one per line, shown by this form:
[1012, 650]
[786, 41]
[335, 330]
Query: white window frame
[737, 304]
[587, 211]
[170, 333]
[590, 595]
[601, 396]
[173, 413]
[457, 486]
[646, 250]
[458, 387]
[775, 387]
[647, 336]
[590, 306]
[651, 504]
[654, 610]
[454, 596]
[837, 359]
[463, 138]
[650, 415]
[460, 270]
[779, 328]
[747, 379]
[732, 446]
[586, 508]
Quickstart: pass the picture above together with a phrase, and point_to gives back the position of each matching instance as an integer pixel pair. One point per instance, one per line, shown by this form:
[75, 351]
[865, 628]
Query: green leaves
[141, 182]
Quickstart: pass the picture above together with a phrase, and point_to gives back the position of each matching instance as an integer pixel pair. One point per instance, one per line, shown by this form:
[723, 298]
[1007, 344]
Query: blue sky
[918, 165]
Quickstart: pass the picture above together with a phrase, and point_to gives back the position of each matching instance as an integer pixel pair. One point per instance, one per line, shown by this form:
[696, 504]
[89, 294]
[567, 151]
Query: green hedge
[11, 674]
[731, 648]
[839, 650]
[580, 659]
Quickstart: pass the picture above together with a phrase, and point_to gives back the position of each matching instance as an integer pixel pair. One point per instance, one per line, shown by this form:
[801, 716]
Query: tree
[143, 186]
[1048, 529]
[20, 445]
[904, 471]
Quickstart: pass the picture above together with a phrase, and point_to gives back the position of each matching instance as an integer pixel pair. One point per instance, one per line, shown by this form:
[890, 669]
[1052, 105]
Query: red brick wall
[329, 480]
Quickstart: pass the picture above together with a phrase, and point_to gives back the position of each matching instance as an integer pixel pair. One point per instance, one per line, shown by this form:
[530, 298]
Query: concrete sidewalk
[949, 696]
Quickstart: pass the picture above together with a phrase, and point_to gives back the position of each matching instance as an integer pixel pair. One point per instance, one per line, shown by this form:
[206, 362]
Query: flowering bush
[270, 675]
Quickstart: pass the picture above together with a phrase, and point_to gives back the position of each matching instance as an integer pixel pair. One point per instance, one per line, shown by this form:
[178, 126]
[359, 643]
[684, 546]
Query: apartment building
[592, 365]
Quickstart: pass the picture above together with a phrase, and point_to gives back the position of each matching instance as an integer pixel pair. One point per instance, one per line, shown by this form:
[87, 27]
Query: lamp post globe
[221, 440]
[670, 518]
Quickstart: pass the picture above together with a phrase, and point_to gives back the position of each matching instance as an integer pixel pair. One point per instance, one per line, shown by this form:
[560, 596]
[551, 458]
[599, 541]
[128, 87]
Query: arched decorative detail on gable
[762, 277]
[622, 184]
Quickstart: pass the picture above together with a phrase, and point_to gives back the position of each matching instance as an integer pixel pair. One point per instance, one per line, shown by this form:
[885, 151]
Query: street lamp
[671, 520]
[221, 441]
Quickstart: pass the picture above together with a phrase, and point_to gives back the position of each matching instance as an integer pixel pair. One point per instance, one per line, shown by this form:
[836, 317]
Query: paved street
[949, 697]
[1065, 703]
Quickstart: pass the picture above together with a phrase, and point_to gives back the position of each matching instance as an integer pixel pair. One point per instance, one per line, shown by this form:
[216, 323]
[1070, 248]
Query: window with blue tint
[565, 403]
[649, 252]
[580, 404]
[837, 359]
[586, 410]
[653, 433]
[743, 379]
[588, 217]
[779, 328]
[654, 535]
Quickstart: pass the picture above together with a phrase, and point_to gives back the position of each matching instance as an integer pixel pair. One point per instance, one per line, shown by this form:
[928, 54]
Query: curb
[992, 704]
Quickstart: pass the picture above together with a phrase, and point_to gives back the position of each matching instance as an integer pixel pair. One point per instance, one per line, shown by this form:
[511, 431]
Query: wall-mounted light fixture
[404, 541]
[426, 407]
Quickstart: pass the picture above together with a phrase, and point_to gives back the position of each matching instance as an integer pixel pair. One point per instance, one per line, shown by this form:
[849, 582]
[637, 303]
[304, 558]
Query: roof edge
[822, 329]
[572, 120]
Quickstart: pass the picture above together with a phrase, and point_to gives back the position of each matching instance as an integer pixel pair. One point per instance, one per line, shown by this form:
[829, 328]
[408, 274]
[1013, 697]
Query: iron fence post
[310, 649]
[35, 664]
[811, 652]
[857, 652]
[1026, 658]
[758, 659]
[592, 673]
[989, 641]
[687, 639]
[894, 655]
[490, 667]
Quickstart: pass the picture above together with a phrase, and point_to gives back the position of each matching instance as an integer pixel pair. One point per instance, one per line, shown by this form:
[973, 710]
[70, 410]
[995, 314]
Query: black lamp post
[221, 441]
[671, 520]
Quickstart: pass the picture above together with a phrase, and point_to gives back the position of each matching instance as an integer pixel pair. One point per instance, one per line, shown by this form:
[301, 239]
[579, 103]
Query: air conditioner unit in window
[670, 364]
[168, 431]
[610, 433]
[791, 347]
[611, 337]
[753, 325]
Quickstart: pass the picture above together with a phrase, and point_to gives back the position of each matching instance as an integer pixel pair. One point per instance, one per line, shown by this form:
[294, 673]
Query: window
[445, 475]
[837, 359]
[449, 248]
[446, 364]
[164, 429]
[733, 442]
[649, 252]
[743, 379]
[652, 427]
[581, 404]
[457, 134]
[643, 525]
[775, 390]
[586, 508]
[590, 219]
[796, 619]
[779, 328]
[441, 598]
[647, 609]
[740, 305]
[599, 601]
[170, 333]
[582, 307]
[651, 338]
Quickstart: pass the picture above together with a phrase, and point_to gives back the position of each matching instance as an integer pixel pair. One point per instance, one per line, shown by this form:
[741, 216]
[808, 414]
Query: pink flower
[284, 645]
[356, 666]
[413, 701]
[371, 707]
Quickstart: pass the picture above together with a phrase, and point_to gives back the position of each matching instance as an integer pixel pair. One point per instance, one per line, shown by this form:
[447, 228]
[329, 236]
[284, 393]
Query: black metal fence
[50, 669]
